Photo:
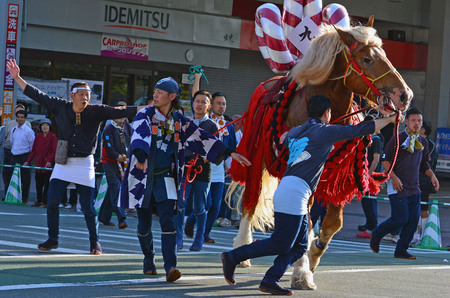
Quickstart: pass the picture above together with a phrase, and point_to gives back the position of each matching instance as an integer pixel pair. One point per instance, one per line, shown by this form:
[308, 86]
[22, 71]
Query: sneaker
[415, 242]
[363, 235]
[274, 289]
[68, 206]
[225, 223]
[96, 248]
[404, 255]
[362, 228]
[173, 275]
[391, 237]
[217, 222]
[48, 245]
[61, 205]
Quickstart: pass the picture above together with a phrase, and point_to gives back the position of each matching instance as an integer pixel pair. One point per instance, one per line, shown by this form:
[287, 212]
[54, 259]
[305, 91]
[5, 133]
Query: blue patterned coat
[191, 137]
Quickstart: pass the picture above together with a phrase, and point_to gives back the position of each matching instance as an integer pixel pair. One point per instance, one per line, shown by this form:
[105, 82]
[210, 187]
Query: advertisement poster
[443, 148]
[124, 47]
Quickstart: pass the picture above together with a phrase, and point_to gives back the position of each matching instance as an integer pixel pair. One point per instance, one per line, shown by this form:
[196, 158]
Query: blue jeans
[112, 196]
[405, 215]
[56, 192]
[197, 192]
[289, 241]
[213, 205]
[317, 211]
[370, 208]
[225, 210]
[166, 212]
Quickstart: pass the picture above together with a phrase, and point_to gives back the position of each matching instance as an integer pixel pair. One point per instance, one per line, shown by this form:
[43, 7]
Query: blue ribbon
[196, 69]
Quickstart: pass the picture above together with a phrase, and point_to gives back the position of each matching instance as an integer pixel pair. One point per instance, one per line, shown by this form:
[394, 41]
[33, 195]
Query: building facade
[129, 45]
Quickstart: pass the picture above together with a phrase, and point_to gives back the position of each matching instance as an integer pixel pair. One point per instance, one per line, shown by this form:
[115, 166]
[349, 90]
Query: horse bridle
[352, 65]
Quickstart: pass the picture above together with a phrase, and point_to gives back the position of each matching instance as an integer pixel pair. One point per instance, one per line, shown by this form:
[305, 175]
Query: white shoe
[225, 223]
[391, 237]
[61, 205]
[68, 206]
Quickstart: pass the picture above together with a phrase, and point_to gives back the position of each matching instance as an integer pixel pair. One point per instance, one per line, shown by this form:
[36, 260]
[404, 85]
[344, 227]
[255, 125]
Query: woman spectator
[44, 149]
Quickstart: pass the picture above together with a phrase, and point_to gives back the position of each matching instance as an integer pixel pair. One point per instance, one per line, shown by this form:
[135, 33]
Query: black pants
[7, 171]
[42, 181]
[25, 174]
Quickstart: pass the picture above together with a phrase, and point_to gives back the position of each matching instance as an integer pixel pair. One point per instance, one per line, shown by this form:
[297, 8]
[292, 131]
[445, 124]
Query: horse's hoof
[245, 264]
[304, 284]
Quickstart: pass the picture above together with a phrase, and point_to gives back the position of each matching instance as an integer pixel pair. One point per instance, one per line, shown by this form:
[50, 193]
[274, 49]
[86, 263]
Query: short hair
[23, 112]
[427, 127]
[413, 111]
[216, 94]
[317, 105]
[205, 93]
[78, 84]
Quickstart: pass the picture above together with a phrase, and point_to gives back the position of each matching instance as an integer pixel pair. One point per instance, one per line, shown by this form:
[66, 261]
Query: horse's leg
[243, 237]
[331, 224]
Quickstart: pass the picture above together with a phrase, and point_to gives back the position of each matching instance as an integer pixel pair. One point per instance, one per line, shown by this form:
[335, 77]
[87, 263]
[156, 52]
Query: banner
[124, 47]
[10, 45]
[52, 88]
[443, 148]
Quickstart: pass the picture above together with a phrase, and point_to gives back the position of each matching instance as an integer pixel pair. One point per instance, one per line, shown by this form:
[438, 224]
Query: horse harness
[352, 65]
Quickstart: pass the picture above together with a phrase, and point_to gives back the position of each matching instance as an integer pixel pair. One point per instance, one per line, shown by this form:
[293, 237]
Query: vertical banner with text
[9, 50]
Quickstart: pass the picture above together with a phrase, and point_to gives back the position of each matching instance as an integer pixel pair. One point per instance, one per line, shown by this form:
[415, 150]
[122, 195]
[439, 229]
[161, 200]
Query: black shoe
[109, 224]
[228, 268]
[189, 230]
[173, 275]
[96, 248]
[362, 228]
[375, 243]
[48, 245]
[404, 255]
[274, 289]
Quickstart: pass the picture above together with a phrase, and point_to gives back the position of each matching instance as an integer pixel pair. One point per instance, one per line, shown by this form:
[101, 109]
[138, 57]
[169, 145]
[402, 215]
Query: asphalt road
[348, 269]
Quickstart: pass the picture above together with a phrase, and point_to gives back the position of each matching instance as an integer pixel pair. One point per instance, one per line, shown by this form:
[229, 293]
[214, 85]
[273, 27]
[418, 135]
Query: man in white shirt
[7, 172]
[22, 138]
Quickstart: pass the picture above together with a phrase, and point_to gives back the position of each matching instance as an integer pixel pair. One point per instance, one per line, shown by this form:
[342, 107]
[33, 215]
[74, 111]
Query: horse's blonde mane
[316, 66]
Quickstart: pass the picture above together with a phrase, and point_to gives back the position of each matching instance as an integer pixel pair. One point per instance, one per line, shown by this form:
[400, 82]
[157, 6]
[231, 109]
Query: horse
[340, 63]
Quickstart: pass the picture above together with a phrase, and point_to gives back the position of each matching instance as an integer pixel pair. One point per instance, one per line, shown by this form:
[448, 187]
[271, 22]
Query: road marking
[190, 278]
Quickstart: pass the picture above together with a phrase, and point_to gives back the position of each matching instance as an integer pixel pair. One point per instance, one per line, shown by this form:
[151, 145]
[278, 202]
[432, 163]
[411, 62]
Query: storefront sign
[12, 30]
[124, 47]
[443, 148]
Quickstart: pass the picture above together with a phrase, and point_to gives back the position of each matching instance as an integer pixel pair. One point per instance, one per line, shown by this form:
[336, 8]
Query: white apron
[79, 170]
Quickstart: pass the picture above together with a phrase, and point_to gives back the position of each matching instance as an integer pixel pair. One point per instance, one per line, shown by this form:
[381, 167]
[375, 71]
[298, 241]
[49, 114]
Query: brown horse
[339, 64]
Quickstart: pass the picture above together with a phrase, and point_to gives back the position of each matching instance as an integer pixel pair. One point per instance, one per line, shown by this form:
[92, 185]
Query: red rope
[397, 123]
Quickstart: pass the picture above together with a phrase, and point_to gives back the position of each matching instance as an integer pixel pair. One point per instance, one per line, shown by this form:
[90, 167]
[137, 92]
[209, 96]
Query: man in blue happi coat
[160, 136]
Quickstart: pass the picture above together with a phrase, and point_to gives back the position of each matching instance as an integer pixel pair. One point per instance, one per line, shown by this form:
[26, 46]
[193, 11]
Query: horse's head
[368, 72]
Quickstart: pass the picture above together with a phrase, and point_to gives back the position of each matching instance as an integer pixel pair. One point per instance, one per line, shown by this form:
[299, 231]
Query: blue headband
[169, 85]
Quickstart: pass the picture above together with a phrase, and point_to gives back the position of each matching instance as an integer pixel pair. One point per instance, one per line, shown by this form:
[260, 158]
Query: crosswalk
[21, 231]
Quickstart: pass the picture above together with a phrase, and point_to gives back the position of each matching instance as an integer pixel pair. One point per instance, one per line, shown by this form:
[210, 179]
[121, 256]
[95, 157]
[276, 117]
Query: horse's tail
[261, 215]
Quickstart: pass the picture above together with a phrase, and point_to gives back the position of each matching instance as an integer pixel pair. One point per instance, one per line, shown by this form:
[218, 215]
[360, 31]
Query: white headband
[80, 88]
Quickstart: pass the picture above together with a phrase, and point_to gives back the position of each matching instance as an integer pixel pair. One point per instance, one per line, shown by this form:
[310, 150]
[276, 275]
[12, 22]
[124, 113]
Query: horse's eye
[367, 61]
